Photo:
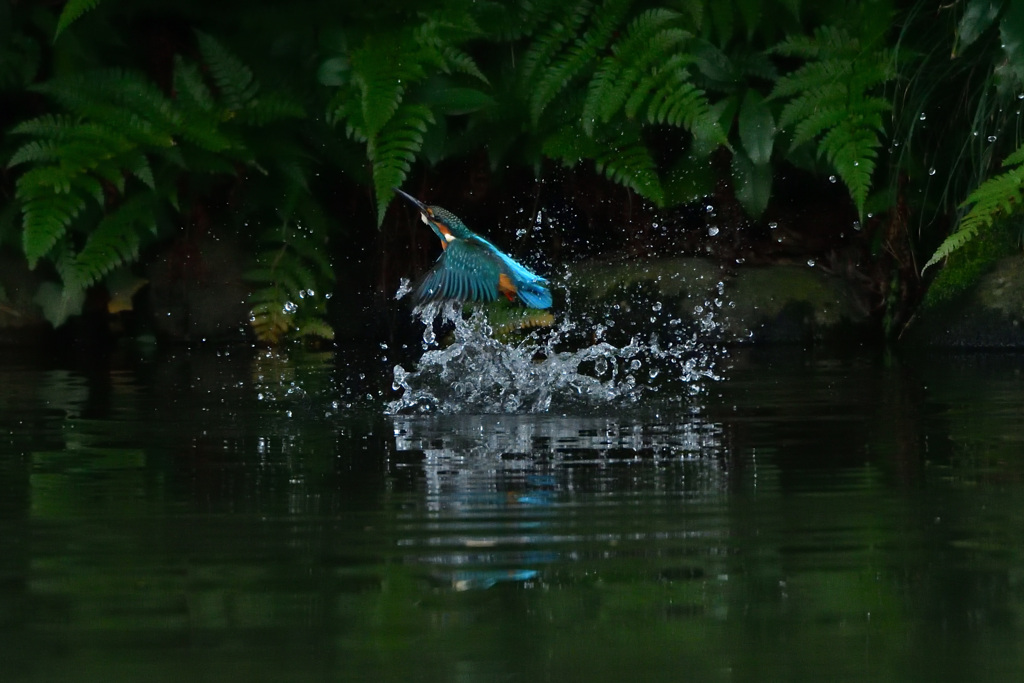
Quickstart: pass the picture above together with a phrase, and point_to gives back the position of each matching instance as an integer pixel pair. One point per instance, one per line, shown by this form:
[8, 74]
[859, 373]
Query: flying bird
[472, 269]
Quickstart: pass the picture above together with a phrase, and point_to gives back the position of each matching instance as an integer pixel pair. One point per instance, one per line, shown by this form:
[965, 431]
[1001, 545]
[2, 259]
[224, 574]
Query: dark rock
[989, 316]
[763, 304]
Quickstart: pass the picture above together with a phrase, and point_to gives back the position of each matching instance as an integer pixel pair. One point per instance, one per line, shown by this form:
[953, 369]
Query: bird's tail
[534, 295]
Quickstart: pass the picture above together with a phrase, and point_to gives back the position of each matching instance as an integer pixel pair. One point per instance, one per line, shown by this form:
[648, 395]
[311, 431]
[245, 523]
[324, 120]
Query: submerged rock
[759, 304]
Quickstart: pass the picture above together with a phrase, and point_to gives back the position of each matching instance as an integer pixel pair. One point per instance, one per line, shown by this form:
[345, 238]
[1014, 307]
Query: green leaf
[392, 152]
[59, 302]
[1011, 35]
[234, 80]
[753, 184]
[45, 221]
[114, 241]
[333, 71]
[756, 128]
[978, 16]
[71, 12]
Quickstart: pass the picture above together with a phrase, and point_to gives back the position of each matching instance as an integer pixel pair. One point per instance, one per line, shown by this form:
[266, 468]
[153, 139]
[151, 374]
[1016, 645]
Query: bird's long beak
[415, 202]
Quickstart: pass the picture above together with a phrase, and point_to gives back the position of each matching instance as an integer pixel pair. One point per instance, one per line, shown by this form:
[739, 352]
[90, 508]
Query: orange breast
[506, 287]
[446, 232]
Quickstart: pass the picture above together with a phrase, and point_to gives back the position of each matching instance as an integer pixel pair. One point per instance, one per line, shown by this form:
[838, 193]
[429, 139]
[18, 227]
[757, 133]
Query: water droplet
[712, 231]
[810, 262]
[992, 138]
[931, 171]
[709, 208]
[289, 307]
[773, 225]
[832, 179]
[656, 306]
[922, 117]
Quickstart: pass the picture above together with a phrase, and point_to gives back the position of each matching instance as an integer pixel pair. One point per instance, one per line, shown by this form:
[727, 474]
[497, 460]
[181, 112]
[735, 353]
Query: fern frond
[71, 12]
[314, 327]
[620, 155]
[629, 162]
[270, 321]
[381, 72]
[35, 151]
[438, 35]
[115, 241]
[829, 99]
[138, 166]
[560, 32]
[270, 108]
[831, 73]
[190, 90]
[824, 41]
[649, 55]
[124, 101]
[234, 80]
[45, 221]
[289, 299]
[392, 152]
[1015, 157]
[996, 197]
[461, 62]
[49, 126]
[852, 150]
[554, 78]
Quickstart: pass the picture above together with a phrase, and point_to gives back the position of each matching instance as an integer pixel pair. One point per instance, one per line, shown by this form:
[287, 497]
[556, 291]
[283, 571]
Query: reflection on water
[224, 517]
[497, 489]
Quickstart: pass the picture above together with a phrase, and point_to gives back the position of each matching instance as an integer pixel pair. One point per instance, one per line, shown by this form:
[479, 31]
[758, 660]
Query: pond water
[235, 516]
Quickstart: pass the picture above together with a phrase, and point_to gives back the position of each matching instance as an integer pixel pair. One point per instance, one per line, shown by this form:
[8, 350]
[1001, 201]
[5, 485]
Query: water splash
[558, 368]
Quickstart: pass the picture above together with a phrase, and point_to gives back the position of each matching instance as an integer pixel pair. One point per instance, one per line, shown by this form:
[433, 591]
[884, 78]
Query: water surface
[225, 516]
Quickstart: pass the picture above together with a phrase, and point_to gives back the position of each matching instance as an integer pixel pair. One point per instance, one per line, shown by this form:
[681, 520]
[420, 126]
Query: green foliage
[629, 73]
[962, 268]
[831, 99]
[292, 277]
[997, 197]
[106, 161]
[71, 12]
[101, 177]
[374, 95]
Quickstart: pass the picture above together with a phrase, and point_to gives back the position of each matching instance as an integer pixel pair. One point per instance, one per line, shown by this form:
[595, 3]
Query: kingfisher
[472, 269]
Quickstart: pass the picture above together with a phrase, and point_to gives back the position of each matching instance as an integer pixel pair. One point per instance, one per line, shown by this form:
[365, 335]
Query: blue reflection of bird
[472, 269]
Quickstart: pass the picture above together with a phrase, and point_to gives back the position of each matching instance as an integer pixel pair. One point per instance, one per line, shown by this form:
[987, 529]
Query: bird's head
[445, 224]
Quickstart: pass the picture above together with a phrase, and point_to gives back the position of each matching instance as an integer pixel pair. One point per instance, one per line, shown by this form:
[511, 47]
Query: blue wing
[466, 271]
[469, 270]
